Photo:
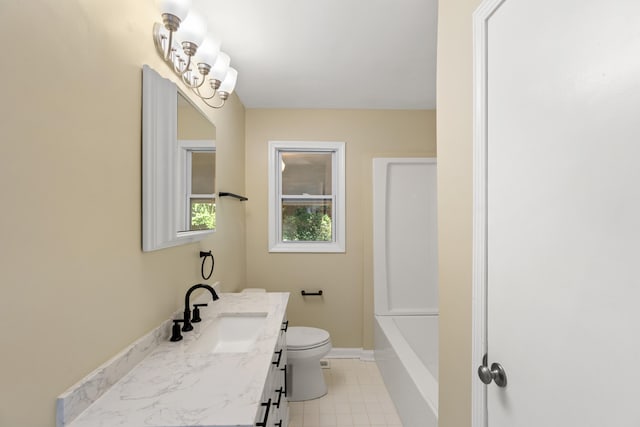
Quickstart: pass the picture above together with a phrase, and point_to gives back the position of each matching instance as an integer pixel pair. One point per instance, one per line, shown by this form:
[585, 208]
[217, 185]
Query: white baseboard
[351, 353]
[367, 356]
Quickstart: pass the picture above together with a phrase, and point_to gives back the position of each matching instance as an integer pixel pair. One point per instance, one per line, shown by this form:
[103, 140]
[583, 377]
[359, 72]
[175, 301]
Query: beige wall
[193, 125]
[454, 208]
[346, 310]
[75, 286]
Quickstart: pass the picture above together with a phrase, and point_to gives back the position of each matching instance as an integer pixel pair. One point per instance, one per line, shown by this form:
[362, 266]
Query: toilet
[305, 347]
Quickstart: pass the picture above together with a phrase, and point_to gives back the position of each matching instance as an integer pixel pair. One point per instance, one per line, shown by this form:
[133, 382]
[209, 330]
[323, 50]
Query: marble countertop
[174, 386]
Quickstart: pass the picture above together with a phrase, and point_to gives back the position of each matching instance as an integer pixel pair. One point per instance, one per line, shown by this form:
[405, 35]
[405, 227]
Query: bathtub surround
[192, 389]
[406, 284]
[405, 236]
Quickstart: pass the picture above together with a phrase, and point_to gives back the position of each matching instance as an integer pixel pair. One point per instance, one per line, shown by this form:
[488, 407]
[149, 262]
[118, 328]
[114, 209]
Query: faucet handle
[196, 313]
[175, 332]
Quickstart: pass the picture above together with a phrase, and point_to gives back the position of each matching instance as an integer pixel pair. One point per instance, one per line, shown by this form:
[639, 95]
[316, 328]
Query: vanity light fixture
[192, 54]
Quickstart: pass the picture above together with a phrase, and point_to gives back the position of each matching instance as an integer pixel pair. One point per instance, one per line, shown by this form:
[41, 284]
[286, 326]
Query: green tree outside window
[306, 226]
[203, 216]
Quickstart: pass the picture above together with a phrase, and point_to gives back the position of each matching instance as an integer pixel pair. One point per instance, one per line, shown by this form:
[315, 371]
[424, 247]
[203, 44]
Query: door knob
[495, 374]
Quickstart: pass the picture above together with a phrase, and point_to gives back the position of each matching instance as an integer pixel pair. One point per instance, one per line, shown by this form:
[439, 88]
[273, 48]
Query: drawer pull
[277, 362]
[280, 392]
[266, 414]
[279, 423]
[285, 326]
[285, 379]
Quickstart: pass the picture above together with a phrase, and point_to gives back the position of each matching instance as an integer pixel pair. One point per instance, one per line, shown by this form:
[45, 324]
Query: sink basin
[230, 333]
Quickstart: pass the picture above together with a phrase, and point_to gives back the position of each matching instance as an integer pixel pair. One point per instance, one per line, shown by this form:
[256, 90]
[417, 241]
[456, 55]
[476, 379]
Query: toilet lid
[300, 337]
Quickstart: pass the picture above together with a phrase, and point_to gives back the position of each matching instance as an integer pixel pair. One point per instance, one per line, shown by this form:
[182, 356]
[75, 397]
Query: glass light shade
[179, 8]
[220, 68]
[193, 29]
[229, 82]
[208, 52]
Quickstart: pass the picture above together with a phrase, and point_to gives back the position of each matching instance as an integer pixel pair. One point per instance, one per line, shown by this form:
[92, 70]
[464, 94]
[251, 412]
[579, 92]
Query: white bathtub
[406, 351]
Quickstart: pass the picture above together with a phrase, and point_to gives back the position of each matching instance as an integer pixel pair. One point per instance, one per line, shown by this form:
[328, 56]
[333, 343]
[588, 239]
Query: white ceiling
[370, 54]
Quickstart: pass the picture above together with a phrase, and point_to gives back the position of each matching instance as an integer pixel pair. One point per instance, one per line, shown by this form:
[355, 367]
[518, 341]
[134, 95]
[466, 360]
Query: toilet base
[306, 381]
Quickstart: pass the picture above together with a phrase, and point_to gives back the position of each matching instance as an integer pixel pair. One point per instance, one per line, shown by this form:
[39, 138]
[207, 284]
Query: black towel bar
[308, 294]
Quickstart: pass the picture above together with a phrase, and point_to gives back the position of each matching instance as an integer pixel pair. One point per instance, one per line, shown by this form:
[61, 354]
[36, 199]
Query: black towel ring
[204, 256]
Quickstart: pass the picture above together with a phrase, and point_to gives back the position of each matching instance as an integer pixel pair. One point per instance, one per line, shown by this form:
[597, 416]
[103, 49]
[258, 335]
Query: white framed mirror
[178, 166]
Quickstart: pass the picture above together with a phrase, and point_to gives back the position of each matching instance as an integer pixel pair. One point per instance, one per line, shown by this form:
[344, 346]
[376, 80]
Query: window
[198, 165]
[306, 197]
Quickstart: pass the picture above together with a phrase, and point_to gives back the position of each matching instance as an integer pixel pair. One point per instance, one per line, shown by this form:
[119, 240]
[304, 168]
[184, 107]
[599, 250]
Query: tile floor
[357, 397]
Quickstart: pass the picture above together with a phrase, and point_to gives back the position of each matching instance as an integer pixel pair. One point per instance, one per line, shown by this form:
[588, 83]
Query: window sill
[304, 247]
[193, 236]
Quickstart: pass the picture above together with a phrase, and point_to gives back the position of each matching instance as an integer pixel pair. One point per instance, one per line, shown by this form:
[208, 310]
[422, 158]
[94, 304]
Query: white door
[563, 212]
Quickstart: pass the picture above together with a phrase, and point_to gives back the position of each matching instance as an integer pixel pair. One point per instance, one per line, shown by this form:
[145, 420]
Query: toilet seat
[306, 338]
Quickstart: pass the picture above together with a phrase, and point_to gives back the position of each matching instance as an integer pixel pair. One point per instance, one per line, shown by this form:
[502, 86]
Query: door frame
[481, 18]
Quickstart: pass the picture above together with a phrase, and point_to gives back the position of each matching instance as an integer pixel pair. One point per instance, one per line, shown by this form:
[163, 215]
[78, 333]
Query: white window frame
[185, 146]
[275, 197]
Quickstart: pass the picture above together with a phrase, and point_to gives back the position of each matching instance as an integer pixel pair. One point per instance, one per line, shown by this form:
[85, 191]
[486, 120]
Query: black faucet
[187, 311]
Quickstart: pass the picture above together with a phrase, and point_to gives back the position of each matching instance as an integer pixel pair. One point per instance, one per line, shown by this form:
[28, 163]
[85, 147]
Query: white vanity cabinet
[274, 410]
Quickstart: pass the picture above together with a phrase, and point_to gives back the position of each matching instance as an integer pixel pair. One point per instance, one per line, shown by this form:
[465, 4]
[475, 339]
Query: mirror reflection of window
[201, 198]
[197, 168]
